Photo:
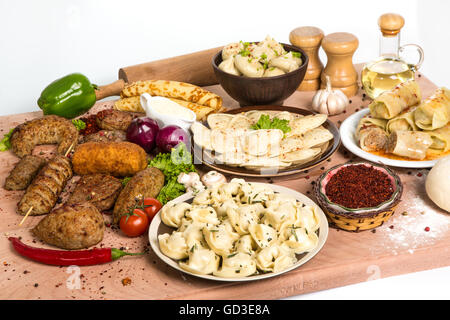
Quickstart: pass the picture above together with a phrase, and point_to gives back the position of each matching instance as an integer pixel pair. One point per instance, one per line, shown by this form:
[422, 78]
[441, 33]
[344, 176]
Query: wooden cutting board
[400, 246]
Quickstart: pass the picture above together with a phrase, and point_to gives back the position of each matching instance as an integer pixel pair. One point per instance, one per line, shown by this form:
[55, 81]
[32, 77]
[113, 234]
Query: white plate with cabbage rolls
[238, 231]
[348, 136]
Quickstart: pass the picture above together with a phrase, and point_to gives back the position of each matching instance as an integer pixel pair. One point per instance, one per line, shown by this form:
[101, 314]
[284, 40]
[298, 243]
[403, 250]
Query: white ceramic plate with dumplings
[157, 228]
[347, 132]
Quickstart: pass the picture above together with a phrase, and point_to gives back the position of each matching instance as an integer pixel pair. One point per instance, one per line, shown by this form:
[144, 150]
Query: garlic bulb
[329, 101]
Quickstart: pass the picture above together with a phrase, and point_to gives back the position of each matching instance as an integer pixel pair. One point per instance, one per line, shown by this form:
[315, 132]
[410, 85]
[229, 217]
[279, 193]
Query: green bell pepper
[68, 97]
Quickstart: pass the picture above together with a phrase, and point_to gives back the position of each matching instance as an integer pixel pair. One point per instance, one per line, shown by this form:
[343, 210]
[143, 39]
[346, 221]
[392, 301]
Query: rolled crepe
[373, 139]
[391, 103]
[403, 122]
[134, 104]
[173, 89]
[410, 144]
[369, 122]
[434, 112]
[441, 139]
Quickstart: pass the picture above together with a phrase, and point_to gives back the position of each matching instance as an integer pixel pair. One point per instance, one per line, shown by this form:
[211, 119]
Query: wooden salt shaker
[309, 39]
[340, 47]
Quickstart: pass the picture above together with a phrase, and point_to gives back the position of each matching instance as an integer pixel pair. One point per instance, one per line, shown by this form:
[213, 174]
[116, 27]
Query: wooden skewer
[29, 211]
[70, 149]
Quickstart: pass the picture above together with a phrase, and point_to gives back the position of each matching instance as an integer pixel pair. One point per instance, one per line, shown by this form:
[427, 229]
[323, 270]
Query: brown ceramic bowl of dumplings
[262, 90]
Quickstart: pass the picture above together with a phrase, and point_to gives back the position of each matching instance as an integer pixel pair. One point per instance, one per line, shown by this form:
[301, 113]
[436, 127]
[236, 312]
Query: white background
[46, 39]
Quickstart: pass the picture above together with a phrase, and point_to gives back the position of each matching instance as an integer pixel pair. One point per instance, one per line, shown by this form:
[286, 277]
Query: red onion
[143, 132]
[170, 136]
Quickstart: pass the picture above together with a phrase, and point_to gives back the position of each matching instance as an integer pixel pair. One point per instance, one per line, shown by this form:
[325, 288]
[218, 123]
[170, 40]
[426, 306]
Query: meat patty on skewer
[24, 172]
[73, 226]
[46, 130]
[99, 189]
[44, 190]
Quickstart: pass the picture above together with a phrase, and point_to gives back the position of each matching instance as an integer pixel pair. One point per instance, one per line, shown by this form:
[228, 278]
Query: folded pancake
[410, 144]
[304, 124]
[173, 89]
[441, 139]
[300, 156]
[391, 103]
[373, 139]
[316, 137]
[434, 112]
[402, 122]
[369, 122]
[133, 104]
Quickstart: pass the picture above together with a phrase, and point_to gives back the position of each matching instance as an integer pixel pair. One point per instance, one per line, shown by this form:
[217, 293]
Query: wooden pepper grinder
[340, 47]
[309, 39]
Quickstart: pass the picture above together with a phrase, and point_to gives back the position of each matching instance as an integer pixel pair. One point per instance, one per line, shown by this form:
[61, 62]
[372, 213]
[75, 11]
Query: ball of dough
[437, 184]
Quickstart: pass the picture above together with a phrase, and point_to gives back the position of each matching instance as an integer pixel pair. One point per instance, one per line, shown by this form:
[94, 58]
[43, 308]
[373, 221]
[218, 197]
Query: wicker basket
[353, 221]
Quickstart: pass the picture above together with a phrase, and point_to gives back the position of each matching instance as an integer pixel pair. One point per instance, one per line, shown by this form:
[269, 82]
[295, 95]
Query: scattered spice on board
[359, 186]
[126, 281]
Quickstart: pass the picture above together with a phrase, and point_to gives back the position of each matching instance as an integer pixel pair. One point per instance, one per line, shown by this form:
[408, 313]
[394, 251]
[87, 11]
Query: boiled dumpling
[201, 261]
[221, 238]
[222, 208]
[299, 239]
[203, 214]
[273, 47]
[229, 67]
[255, 193]
[307, 218]
[203, 198]
[232, 49]
[246, 244]
[262, 234]
[171, 214]
[242, 217]
[249, 66]
[283, 213]
[173, 245]
[192, 232]
[286, 62]
[237, 265]
[275, 258]
[273, 72]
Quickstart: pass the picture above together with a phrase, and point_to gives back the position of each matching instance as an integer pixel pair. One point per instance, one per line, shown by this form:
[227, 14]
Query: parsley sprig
[264, 122]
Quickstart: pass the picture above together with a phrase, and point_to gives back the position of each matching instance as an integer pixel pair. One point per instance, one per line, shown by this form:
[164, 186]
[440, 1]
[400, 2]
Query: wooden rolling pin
[194, 68]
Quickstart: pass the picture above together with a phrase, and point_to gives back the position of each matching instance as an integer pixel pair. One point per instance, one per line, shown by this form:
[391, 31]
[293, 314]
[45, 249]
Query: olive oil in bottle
[384, 74]
[389, 70]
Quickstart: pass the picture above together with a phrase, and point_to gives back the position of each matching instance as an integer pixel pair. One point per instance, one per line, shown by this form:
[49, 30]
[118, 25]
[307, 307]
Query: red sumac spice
[359, 186]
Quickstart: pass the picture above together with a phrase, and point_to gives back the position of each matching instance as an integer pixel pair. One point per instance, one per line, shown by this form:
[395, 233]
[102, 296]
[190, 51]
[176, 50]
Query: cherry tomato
[135, 223]
[151, 207]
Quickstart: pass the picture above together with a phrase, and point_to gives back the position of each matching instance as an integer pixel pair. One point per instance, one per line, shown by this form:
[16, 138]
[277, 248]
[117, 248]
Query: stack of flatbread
[197, 99]
[231, 140]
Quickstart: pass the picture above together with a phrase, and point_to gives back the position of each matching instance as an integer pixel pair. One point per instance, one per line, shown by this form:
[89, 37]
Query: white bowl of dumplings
[238, 231]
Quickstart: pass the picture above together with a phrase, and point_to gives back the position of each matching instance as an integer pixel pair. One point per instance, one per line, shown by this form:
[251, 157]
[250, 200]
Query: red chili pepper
[68, 258]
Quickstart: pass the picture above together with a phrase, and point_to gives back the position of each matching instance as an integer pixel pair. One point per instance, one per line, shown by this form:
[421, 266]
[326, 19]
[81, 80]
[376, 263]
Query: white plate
[347, 131]
[157, 228]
